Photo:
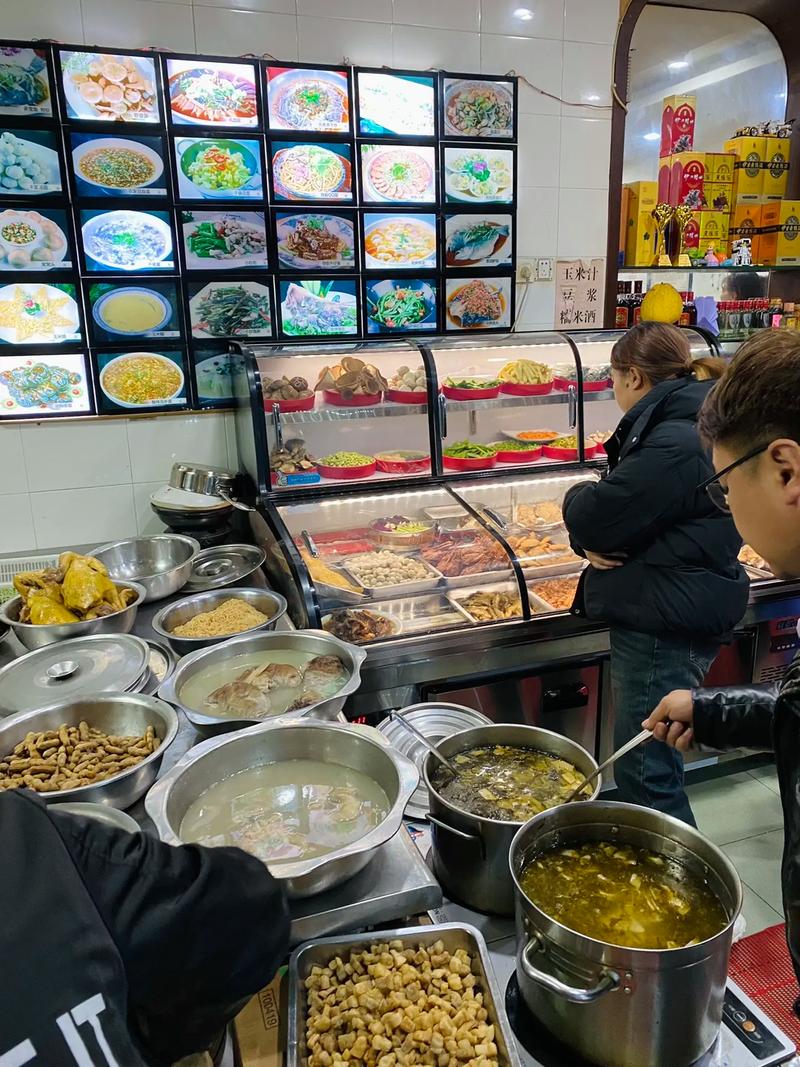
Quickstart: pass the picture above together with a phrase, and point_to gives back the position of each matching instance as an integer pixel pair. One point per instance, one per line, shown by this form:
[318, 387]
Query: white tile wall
[89, 481]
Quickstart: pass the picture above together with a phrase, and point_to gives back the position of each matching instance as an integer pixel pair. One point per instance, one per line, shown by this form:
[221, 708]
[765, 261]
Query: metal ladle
[645, 735]
[434, 751]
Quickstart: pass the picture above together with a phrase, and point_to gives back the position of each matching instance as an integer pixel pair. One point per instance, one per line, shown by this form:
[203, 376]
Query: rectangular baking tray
[537, 604]
[553, 570]
[482, 577]
[401, 588]
[453, 935]
[450, 516]
[421, 614]
[541, 598]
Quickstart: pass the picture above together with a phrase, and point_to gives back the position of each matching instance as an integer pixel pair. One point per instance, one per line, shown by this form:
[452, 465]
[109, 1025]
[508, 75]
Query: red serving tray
[405, 396]
[471, 394]
[454, 463]
[305, 403]
[514, 389]
[566, 453]
[366, 400]
[407, 466]
[563, 384]
[347, 474]
[517, 456]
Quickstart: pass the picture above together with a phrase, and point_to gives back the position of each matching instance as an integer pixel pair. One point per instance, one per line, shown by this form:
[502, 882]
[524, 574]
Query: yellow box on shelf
[748, 175]
[776, 169]
[779, 241]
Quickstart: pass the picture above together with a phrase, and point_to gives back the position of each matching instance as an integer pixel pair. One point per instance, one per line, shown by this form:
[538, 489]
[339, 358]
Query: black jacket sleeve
[735, 716]
[199, 930]
[643, 495]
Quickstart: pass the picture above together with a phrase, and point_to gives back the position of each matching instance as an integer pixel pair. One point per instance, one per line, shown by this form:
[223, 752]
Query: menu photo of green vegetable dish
[24, 82]
[218, 168]
[401, 305]
[225, 240]
[478, 108]
[231, 309]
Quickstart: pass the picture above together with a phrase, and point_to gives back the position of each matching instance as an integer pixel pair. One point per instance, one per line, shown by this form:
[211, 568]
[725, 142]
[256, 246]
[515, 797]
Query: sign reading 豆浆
[580, 284]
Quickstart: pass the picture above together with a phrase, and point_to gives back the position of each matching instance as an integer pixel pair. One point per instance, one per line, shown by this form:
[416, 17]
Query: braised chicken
[78, 589]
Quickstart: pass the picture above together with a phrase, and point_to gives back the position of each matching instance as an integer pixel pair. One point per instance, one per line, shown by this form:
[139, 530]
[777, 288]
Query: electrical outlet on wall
[544, 270]
[526, 271]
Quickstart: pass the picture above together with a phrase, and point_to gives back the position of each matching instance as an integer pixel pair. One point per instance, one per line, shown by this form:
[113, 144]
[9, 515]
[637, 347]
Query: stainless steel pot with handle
[207, 480]
[615, 1006]
[470, 853]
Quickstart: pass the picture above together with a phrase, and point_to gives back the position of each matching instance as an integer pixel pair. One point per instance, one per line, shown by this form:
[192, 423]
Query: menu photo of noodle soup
[204, 93]
[35, 240]
[399, 241]
[127, 240]
[134, 379]
[398, 174]
[212, 366]
[37, 313]
[316, 240]
[478, 240]
[308, 99]
[319, 307]
[478, 303]
[118, 166]
[109, 86]
[230, 308]
[312, 170]
[121, 311]
[219, 168]
[29, 163]
[400, 305]
[24, 82]
[223, 240]
[38, 385]
[394, 104]
[478, 107]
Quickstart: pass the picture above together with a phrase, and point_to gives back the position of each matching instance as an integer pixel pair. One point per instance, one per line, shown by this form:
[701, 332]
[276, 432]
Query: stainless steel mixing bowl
[121, 622]
[273, 605]
[126, 715]
[160, 564]
[258, 746]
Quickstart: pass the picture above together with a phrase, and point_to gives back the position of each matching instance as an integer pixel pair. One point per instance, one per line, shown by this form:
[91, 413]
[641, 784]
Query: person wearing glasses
[752, 423]
[663, 571]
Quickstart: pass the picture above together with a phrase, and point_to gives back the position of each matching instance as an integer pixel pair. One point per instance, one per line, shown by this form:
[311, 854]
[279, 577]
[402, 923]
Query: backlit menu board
[204, 93]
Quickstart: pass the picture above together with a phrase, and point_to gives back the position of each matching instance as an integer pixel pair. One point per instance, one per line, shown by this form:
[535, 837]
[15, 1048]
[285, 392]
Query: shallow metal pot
[102, 814]
[313, 641]
[470, 853]
[273, 605]
[623, 1007]
[31, 636]
[218, 758]
[160, 564]
[125, 714]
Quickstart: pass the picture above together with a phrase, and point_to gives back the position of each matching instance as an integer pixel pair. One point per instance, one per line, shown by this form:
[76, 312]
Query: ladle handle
[607, 980]
[644, 735]
[434, 751]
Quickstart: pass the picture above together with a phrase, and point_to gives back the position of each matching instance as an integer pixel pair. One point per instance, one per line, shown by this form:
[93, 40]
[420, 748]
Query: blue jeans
[644, 668]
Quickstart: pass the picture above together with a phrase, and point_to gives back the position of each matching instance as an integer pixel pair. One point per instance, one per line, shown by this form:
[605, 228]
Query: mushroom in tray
[352, 377]
[286, 388]
[293, 458]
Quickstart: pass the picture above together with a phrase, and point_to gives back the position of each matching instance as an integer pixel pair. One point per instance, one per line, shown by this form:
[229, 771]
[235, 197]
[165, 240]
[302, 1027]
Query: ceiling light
[652, 136]
[524, 14]
[678, 64]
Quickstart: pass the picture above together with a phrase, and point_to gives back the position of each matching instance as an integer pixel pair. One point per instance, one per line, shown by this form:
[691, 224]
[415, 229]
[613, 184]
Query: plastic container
[515, 389]
[415, 463]
[491, 392]
[365, 400]
[405, 396]
[347, 474]
[303, 403]
[515, 455]
[455, 463]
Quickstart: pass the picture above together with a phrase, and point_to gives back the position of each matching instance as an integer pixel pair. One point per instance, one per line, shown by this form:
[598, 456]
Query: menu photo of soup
[118, 166]
[127, 240]
[398, 174]
[308, 99]
[24, 81]
[319, 307]
[476, 175]
[478, 303]
[109, 86]
[29, 163]
[136, 380]
[231, 308]
[478, 107]
[219, 168]
[205, 93]
[478, 240]
[38, 313]
[398, 105]
[223, 240]
[213, 365]
[121, 311]
[35, 240]
[41, 385]
[315, 240]
[399, 241]
[400, 305]
[308, 170]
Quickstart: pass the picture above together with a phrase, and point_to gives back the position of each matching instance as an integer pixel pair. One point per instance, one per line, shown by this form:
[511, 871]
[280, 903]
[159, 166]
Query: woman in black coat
[663, 560]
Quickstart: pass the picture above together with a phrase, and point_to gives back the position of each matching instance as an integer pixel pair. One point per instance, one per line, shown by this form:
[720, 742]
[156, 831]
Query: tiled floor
[742, 814]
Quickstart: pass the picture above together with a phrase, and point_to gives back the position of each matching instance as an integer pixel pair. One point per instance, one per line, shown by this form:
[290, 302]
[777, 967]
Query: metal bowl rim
[157, 620]
[192, 542]
[163, 708]
[140, 591]
[407, 774]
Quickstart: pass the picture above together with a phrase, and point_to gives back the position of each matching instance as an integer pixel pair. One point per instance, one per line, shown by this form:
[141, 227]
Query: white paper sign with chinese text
[580, 284]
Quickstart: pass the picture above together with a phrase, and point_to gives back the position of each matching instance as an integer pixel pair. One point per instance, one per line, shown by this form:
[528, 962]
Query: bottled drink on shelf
[621, 315]
[689, 313]
[636, 303]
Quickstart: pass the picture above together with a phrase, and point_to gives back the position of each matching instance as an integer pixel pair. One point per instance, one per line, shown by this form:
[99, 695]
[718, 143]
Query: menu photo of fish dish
[478, 107]
[224, 240]
[400, 305]
[127, 240]
[231, 308]
[308, 99]
[24, 81]
[118, 166]
[478, 303]
[398, 174]
[479, 240]
[319, 307]
[44, 385]
[396, 104]
[308, 170]
[402, 241]
[315, 241]
[204, 93]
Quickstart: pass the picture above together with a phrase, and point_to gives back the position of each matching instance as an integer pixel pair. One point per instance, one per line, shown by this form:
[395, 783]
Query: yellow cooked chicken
[76, 590]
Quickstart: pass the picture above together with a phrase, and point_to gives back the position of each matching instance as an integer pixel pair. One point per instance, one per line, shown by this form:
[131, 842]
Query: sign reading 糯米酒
[580, 284]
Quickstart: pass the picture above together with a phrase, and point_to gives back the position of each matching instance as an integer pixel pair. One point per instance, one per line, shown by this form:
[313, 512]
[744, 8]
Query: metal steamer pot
[470, 853]
[623, 1007]
[208, 481]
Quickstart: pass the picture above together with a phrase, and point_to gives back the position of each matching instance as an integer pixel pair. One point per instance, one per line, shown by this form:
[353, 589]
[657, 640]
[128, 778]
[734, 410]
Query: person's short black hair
[748, 285]
[758, 397]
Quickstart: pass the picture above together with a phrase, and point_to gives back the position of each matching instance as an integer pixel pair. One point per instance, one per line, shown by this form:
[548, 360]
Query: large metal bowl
[126, 715]
[259, 746]
[160, 564]
[313, 641]
[273, 605]
[31, 636]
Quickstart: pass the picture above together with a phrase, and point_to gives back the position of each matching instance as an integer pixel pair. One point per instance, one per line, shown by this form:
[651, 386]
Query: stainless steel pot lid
[436, 722]
[222, 565]
[115, 663]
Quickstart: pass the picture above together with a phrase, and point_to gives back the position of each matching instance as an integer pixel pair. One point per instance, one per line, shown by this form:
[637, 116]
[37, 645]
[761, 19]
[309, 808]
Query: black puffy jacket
[681, 573]
[764, 717]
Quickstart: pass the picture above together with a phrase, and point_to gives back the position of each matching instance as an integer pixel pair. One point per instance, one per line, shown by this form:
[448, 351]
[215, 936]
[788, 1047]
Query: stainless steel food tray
[454, 936]
[335, 594]
[400, 588]
[541, 597]
[553, 570]
[450, 516]
[461, 580]
[421, 614]
[537, 604]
